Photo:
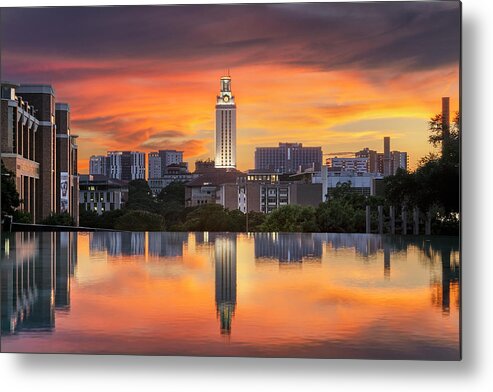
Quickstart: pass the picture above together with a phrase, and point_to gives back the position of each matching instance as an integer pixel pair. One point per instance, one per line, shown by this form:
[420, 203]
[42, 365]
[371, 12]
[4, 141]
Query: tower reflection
[225, 281]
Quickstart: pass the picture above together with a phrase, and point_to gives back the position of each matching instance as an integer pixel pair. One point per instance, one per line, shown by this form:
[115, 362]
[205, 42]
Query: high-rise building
[160, 161]
[372, 157]
[154, 165]
[67, 177]
[399, 160]
[42, 97]
[98, 165]
[387, 161]
[288, 158]
[126, 165]
[225, 136]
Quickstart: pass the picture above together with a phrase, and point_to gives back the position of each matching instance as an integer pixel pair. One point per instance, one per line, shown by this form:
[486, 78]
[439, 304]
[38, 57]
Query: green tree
[10, 196]
[291, 218]
[255, 220]
[136, 220]
[140, 197]
[174, 192]
[213, 217]
[171, 201]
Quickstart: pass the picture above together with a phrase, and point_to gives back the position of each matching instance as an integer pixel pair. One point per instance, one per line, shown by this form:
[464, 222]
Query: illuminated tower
[225, 140]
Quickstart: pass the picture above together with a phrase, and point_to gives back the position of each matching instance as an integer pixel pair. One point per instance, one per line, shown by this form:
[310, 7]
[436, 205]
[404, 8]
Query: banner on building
[63, 192]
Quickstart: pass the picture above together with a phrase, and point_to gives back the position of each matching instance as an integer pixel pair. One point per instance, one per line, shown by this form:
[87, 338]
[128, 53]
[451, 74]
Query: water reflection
[288, 247]
[38, 273]
[35, 276]
[225, 281]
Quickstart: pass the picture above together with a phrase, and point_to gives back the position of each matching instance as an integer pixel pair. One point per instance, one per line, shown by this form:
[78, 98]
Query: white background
[474, 373]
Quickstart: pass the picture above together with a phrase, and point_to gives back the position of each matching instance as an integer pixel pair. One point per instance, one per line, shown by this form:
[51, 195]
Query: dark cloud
[412, 35]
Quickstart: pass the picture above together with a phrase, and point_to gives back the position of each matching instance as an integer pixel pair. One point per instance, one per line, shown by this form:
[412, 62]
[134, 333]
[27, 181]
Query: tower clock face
[226, 98]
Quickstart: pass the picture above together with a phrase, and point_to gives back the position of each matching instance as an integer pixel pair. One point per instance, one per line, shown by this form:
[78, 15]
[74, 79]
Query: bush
[22, 217]
[63, 219]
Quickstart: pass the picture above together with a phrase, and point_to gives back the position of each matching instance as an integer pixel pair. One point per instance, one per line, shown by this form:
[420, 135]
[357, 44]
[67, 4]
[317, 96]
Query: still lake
[224, 294]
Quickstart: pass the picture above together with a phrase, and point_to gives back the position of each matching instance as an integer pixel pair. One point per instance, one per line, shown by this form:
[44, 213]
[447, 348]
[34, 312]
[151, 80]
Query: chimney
[386, 156]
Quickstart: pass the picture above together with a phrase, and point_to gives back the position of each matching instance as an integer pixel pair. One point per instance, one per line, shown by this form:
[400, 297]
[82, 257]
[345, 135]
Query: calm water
[282, 295]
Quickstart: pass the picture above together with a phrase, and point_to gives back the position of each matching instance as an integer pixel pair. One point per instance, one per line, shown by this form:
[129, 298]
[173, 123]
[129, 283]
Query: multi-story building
[42, 97]
[364, 183]
[273, 196]
[205, 188]
[158, 184]
[288, 158]
[225, 135]
[38, 147]
[126, 165]
[357, 165]
[67, 177]
[98, 165]
[399, 160]
[372, 159]
[18, 147]
[154, 165]
[159, 161]
[171, 157]
[385, 163]
[206, 166]
[100, 193]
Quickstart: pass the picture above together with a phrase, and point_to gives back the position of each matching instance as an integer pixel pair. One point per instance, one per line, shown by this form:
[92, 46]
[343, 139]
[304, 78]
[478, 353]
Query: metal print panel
[264, 180]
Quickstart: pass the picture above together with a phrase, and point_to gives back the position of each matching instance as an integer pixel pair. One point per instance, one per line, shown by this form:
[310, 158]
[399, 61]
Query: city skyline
[152, 84]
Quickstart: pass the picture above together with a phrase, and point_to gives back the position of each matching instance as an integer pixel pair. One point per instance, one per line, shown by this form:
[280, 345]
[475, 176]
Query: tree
[255, 220]
[291, 218]
[212, 217]
[136, 220]
[173, 193]
[10, 196]
[171, 204]
[140, 197]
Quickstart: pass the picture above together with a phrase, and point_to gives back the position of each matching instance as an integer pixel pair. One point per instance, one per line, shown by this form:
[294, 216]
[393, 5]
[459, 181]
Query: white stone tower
[225, 136]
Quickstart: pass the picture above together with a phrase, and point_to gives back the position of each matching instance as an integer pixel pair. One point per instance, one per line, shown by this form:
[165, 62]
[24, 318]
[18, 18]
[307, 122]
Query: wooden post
[380, 219]
[404, 220]
[368, 220]
[416, 221]
[428, 223]
[392, 219]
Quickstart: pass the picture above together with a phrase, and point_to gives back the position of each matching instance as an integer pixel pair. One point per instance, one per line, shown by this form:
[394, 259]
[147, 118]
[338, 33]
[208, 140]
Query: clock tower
[225, 136]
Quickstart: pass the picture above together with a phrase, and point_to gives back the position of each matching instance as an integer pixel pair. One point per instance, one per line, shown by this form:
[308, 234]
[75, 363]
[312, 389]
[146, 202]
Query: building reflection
[118, 243]
[35, 278]
[166, 244]
[365, 245]
[225, 279]
[288, 247]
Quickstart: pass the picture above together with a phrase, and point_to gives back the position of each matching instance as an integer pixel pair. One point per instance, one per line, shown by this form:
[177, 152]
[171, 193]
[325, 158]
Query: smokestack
[386, 156]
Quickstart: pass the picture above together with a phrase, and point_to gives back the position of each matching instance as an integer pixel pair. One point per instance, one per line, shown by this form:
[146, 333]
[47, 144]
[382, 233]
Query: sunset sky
[146, 77]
